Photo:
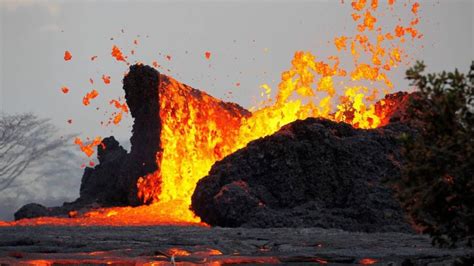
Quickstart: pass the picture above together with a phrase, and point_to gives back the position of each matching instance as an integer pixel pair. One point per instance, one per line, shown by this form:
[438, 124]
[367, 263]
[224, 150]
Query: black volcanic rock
[31, 210]
[141, 87]
[101, 184]
[113, 182]
[311, 173]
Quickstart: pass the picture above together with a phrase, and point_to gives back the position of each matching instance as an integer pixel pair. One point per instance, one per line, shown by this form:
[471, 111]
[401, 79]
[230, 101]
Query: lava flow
[195, 134]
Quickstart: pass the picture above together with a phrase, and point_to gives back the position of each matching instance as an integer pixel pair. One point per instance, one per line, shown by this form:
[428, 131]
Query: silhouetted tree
[437, 187]
[24, 140]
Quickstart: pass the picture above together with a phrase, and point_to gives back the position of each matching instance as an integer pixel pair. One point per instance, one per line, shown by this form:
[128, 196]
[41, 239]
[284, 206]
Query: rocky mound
[113, 182]
[311, 173]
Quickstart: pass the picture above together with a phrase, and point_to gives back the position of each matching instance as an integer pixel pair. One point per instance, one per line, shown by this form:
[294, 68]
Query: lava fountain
[197, 130]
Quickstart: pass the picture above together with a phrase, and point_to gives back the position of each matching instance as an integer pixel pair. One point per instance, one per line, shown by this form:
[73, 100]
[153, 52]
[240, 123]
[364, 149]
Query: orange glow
[196, 131]
[205, 136]
[122, 107]
[65, 90]
[117, 53]
[374, 4]
[367, 261]
[210, 252]
[359, 4]
[88, 149]
[340, 43]
[321, 261]
[194, 135]
[67, 56]
[89, 96]
[415, 8]
[178, 252]
[117, 118]
[106, 79]
[155, 214]
[369, 22]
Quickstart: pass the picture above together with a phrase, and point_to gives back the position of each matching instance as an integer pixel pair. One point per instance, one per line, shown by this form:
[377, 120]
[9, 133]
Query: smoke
[50, 182]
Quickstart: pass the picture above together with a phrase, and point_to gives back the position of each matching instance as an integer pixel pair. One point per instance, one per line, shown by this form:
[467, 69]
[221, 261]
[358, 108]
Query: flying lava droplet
[67, 56]
[117, 53]
[106, 79]
[89, 96]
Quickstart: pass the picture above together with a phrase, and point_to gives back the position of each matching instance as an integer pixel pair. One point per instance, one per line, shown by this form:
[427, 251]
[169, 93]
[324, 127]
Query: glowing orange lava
[88, 149]
[367, 261]
[193, 140]
[106, 79]
[117, 53]
[89, 96]
[194, 135]
[67, 56]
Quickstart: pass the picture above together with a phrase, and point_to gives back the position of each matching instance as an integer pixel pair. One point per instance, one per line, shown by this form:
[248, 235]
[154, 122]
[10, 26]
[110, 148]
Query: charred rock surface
[32, 210]
[311, 173]
[99, 185]
[102, 183]
[308, 174]
[141, 87]
[113, 182]
[218, 246]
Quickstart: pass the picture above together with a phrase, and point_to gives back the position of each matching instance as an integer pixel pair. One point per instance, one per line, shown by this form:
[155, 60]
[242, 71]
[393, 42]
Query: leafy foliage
[437, 187]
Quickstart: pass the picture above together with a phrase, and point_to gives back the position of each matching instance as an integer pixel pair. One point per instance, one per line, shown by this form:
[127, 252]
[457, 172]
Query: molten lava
[197, 132]
[195, 136]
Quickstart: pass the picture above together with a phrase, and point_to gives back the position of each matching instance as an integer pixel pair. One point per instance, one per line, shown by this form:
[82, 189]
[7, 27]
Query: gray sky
[35, 34]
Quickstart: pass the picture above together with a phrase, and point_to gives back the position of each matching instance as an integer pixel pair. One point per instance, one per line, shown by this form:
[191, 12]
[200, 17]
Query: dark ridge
[311, 173]
[141, 87]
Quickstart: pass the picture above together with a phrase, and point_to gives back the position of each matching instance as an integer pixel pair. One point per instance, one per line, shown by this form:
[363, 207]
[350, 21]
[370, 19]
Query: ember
[367, 261]
[89, 96]
[67, 56]
[88, 149]
[117, 53]
[106, 79]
